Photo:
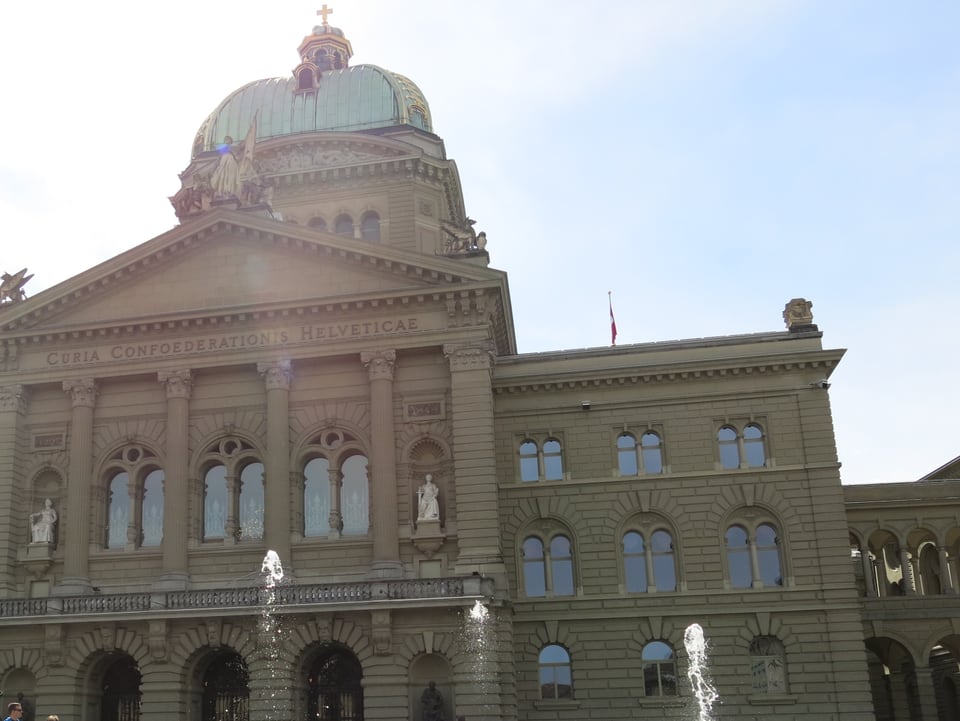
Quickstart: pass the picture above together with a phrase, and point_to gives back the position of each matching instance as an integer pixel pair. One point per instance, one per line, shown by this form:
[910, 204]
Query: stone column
[926, 694]
[335, 518]
[13, 408]
[948, 584]
[900, 692]
[906, 568]
[276, 477]
[869, 580]
[176, 485]
[383, 464]
[76, 581]
[474, 465]
[880, 571]
[754, 563]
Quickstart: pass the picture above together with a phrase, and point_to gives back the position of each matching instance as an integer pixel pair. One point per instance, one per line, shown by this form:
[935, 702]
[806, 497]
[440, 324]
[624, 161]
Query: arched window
[729, 447]
[746, 450]
[233, 500]
[753, 556]
[529, 462]
[768, 555]
[316, 498]
[355, 496]
[561, 565]
[627, 454]
[552, 460]
[540, 463]
[133, 512]
[657, 556]
[664, 564]
[370, 226]
[317, 223]
[251, 502]
[151, 512]
[738, 558]
[652, 452]
[215, 503]
[634, 563]
[556, 677]
[753, 449]
[534, 570]
[768, 665]
[118, 510]
[659, 670]
[343, 225]
[548, 568]
[322, 60]
[305, 79]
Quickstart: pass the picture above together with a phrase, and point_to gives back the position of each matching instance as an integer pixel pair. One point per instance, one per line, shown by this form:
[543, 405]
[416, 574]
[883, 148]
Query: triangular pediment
[228, 261]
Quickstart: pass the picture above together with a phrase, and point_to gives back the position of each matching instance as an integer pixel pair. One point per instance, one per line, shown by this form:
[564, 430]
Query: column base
[172, 581]
[76, 586]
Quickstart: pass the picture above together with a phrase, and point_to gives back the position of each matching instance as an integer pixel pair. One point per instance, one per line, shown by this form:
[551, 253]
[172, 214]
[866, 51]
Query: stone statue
[432, 702]
[11, 286]
[226, 177]
[797, 313]
[428, 505]
[42, 523]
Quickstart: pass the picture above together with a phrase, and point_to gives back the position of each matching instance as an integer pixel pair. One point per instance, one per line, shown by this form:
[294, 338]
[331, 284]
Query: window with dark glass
[355, 496]
[534, 568]
[768, 665]
[634, 563]
[529, 461]
[768, 555]
[738, 558]
[251, 502]
[316, 498]
[370, 226]
[215, 503]
[561, 565]
[556, 678]
[552, 460]
[729, 447]
[652, 451]
[118, 510]
[151, 513]
[317, 223]
[753, 449]
[344, 226]
[664, 563]
[659, 670]
[627, 454]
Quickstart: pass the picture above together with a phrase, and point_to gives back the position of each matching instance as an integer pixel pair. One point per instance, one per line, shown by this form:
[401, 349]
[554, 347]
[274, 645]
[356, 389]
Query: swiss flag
[613, 321]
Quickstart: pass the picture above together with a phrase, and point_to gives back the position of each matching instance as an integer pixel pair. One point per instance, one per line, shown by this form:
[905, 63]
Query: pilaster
[380, 366]
[475, 472]
[13, 409]
[277, 377]
[83, 398]
[178, 385]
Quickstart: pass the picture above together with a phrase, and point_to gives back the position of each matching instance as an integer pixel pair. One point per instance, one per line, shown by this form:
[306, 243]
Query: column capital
[380, 364]
[13, 398]
[82, 392]
[479, 356]
[178, 383]
[276, 374]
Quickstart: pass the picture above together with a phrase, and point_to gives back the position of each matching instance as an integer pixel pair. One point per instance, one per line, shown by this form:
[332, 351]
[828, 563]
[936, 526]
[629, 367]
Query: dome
[356, 98]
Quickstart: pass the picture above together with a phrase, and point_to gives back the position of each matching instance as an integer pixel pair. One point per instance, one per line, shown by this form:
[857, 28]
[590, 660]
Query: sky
[703, 161]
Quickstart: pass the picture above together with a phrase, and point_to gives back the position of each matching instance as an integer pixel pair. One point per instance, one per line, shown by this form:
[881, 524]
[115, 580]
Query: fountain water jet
[269, 632]
[698, 671]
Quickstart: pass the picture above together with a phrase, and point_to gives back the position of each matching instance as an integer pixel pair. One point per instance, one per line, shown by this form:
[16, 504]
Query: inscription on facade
[49, 441]
[427, 410]
[297, 335]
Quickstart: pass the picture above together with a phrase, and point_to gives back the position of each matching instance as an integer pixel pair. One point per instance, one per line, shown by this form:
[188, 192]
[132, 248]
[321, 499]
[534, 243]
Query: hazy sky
[705, 161]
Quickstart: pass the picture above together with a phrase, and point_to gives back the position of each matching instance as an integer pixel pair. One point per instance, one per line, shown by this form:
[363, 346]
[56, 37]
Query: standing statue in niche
[428, 504]
[42, 523]
[432, 702]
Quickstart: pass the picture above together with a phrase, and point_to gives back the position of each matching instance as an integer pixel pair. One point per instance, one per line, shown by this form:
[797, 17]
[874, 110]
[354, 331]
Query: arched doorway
[226, 688]
[334, 685]
[120, 691]
[431, 688]
[20, 685]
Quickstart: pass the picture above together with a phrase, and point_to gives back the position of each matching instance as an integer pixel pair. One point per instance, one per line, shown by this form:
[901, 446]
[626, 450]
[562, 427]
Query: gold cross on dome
[323, 12]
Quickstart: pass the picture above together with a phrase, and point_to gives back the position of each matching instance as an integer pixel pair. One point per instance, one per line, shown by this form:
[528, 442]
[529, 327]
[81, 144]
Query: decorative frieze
[13, 398]
[470, 357]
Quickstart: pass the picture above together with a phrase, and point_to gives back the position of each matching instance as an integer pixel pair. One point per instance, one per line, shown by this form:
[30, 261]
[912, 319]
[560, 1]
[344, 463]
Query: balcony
[284, 599]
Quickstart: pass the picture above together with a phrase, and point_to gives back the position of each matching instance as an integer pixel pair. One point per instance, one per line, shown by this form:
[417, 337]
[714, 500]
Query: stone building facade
[319, 361]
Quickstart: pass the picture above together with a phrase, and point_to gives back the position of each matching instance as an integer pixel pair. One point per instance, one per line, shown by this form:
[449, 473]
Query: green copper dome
[356, 98]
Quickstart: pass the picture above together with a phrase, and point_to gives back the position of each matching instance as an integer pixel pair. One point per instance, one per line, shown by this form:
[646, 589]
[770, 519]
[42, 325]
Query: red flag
[613, 321]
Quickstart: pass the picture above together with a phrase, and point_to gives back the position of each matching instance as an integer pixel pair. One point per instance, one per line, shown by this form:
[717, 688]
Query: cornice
[666, 373]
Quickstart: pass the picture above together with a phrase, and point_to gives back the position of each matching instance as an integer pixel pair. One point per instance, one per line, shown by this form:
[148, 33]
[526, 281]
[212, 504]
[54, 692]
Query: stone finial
[797, 315]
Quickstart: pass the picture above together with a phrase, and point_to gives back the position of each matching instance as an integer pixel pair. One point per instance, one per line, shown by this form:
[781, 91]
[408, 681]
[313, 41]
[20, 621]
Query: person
[428, 508]
[432, 701]
[42, 522]
[14, 711]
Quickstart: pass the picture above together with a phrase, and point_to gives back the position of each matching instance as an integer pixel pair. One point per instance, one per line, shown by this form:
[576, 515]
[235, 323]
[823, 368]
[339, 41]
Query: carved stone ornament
[157, 639]
[379, 364]
[13, 398]
[178, 384]
[465, 358]
[276, 375]
[797, 313]
[382, 632]
[53, 644]
[82, 392]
